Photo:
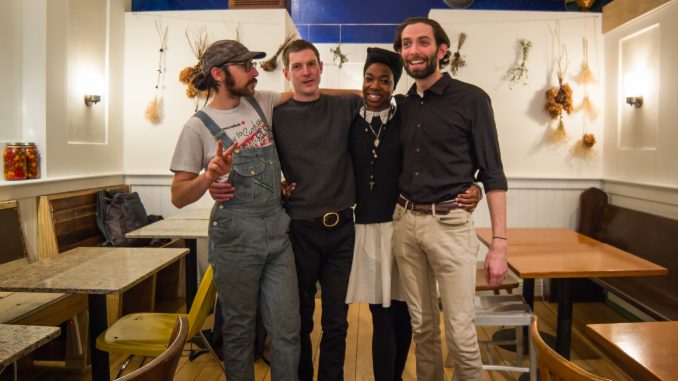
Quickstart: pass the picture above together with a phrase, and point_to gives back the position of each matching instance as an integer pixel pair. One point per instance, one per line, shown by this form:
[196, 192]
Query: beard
[430, 68]
[243, 91]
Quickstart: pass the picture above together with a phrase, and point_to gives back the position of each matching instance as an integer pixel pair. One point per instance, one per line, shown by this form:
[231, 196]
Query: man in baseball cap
[230, 139]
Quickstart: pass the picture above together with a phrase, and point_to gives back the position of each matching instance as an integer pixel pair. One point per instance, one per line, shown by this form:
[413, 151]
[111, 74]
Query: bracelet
[497, 237]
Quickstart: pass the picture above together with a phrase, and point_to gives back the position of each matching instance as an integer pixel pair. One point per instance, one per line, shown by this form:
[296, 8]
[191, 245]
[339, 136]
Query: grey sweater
[312, 139]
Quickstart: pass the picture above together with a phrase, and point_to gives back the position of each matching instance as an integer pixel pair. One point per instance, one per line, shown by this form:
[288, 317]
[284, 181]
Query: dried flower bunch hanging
[586, 75]
[559, 99]
[272, 63]
[153, 110]
[198, 46]
[458, 61]
[517, 75]
[588, 140]
[338, 55]
[154, 107]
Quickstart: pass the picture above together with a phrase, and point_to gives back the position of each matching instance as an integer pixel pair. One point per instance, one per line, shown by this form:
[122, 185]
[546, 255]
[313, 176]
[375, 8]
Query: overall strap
[214, 128]
[255, 105]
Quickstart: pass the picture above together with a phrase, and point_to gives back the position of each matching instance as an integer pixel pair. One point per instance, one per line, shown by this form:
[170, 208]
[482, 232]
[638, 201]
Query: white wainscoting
[531, 202]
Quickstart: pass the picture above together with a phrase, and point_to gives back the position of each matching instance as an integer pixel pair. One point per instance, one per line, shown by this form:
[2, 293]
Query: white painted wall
[42, 48]
[657, 165]
[10, 71]
[523, 125]
[68, 158]
[149, 147]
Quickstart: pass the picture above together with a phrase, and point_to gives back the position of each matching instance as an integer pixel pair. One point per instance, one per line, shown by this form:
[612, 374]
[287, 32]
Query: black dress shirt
[449, 140]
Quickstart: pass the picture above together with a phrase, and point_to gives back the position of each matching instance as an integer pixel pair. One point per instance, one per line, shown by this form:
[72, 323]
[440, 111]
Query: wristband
[497, 237]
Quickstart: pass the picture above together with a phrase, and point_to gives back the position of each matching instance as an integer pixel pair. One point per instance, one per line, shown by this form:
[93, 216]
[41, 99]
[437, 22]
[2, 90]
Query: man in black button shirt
[448, 135]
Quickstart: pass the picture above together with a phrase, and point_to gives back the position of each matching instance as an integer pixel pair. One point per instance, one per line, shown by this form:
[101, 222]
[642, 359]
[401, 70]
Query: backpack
[118, 213]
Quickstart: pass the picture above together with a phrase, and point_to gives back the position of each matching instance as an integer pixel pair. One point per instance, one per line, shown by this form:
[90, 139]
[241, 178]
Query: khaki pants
[439, 248]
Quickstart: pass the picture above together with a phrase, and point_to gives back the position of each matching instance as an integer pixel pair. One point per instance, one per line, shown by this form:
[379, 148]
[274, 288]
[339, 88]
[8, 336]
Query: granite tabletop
[192, 214]
[173, 228]
[91, 270]
[18, 340]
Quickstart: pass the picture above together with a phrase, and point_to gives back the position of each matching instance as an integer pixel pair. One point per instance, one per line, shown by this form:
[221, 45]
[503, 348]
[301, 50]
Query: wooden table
[188, 229]
[16, 341]
[648, 351]
[565, 254]
[95, 271]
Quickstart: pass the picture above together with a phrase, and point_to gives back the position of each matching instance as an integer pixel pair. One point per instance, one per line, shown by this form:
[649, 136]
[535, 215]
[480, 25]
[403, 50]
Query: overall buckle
[330, 219]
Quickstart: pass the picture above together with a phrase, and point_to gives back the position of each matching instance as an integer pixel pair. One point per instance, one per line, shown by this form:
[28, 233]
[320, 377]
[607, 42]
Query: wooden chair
[146, 334]
[553, 366]
[162, 368]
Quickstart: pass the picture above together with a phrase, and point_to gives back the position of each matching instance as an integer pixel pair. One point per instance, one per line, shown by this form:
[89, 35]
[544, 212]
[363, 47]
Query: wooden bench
[645, 235]
[45, 309]
[68, 220]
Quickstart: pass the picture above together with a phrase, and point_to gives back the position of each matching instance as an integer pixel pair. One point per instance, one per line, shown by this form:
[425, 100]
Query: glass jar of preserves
[14, 159]
[32, 161]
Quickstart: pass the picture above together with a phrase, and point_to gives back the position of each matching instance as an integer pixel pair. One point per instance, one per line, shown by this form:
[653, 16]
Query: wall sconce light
[94, 99]
[636, 102]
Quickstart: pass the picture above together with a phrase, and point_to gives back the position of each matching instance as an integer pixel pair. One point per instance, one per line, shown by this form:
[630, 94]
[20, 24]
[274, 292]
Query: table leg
[528, 296]
[191, 272]
[564, 329]
[97, 324]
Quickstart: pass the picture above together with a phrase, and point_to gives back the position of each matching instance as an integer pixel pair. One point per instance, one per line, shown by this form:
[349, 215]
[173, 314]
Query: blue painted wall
[360, 21]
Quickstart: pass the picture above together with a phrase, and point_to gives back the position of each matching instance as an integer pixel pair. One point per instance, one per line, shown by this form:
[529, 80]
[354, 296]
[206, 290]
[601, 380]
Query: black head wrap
[386, 57]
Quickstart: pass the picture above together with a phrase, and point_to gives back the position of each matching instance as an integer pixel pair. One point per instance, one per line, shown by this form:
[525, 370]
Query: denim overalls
[251, 255]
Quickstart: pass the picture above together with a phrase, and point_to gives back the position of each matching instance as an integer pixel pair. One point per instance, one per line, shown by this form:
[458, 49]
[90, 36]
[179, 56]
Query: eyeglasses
[246, 65]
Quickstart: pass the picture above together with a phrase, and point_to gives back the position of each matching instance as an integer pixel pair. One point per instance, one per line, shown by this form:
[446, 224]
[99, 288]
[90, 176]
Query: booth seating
[68, 220]
[642, 234]
[43, 309]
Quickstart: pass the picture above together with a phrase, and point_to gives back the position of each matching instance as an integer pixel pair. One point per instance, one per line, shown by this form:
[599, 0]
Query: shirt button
[221, 206]
[252, 173]
[214, 223]
[417, 150]
[421, 103]
[237, 151]
[270, 162]
[418, 125]
[416, 173]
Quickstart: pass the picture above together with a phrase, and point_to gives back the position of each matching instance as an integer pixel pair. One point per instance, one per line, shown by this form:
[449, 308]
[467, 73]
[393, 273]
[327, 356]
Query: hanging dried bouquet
[517, 75]
[198, 46]
[338, 55]
[153, 112]
[559, 99]
[272, 63]
[458, 61]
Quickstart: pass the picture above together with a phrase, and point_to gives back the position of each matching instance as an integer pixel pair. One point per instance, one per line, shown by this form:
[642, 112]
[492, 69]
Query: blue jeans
[251, 255]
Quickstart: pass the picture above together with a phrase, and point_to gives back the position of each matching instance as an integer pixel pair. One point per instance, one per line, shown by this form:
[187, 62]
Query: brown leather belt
[440, 207]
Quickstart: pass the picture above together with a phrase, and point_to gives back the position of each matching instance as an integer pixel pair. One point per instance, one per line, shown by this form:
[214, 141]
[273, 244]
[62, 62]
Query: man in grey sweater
[311, 132]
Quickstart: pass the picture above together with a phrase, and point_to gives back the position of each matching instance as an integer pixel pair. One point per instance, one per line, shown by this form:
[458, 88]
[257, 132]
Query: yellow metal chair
[162, 368]
[148, 334]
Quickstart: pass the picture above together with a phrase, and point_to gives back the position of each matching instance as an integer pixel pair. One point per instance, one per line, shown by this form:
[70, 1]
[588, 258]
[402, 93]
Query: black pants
[323, 255]
[391, 338]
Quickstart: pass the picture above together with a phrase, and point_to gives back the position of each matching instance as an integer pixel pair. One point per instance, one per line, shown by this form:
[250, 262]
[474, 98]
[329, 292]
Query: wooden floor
[358, 364]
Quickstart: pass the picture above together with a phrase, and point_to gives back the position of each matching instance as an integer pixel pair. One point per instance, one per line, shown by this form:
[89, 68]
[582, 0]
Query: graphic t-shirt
[196, 145]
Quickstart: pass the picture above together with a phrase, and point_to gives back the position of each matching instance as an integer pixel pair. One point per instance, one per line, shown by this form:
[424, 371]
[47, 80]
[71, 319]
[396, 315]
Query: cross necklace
[377, 128]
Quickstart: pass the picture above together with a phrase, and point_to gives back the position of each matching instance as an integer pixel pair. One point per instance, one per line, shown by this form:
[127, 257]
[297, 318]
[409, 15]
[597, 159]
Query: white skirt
[374, 274]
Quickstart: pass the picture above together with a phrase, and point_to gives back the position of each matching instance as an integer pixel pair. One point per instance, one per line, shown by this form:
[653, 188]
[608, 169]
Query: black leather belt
[440, 207]
[333, 219]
